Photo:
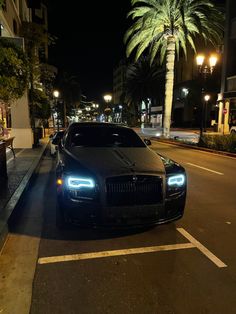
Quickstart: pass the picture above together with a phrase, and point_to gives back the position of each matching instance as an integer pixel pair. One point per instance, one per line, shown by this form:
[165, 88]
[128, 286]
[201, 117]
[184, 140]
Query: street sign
[224, 111]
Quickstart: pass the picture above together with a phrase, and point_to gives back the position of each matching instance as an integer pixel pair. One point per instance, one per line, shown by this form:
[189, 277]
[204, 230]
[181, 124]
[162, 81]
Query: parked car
[56, 136]
[108, 176]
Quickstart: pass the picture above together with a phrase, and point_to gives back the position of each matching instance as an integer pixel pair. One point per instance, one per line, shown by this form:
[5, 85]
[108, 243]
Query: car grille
[134, 190]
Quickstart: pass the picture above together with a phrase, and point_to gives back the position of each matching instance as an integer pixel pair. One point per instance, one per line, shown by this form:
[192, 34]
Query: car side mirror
[147, 142]
[56, 141]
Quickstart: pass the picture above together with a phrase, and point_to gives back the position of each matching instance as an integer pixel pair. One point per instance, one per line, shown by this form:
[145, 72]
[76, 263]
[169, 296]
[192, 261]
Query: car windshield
[90, 136]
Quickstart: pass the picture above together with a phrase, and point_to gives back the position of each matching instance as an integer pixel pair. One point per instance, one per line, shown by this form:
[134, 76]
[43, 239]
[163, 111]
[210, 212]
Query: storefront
[227, 112]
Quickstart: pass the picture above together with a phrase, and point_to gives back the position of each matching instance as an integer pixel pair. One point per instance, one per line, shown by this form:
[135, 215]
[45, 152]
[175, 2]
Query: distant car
[233, 130]
[107, 176]
[56, 136]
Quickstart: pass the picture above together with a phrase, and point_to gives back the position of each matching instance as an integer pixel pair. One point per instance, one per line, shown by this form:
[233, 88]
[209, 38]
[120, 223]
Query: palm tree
[165, 26]
[71, 92]
[141, 84]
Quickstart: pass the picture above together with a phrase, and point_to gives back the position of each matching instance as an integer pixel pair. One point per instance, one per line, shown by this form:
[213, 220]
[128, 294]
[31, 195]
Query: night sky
[90, 41]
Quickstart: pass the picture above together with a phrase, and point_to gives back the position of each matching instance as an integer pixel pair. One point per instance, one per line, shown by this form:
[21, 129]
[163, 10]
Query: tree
[69, 86]
[141, 84]
[13, 71]
[40, 74]
[165, 26]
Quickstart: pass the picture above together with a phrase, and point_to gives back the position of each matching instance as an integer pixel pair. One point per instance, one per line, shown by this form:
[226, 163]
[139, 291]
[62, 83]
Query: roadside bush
[219, 142]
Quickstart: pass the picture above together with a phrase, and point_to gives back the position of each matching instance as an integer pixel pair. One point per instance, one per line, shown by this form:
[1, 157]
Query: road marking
[202, 248]
[210, 170]
[93, 255]
[15, 156]
[150, 249]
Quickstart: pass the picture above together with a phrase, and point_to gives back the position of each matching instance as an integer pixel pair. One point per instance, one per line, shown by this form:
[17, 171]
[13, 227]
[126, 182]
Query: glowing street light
[56, 93]
[185, 91]
[107, 98]
[207, 97]
[107, 110]
[212, 61]
[200, 59]
[206, 66]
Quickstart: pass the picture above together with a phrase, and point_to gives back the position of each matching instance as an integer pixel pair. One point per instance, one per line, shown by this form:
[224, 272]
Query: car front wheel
[61, 221]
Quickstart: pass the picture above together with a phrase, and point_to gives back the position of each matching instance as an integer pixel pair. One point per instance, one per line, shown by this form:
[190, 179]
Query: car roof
[97, 124]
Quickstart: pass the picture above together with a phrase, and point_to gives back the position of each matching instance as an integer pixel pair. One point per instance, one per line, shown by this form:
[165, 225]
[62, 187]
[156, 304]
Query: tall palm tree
[71, 92]
[165, 26]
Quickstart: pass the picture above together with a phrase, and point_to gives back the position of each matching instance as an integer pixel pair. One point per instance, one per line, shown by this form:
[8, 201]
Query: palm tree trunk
[170, 63]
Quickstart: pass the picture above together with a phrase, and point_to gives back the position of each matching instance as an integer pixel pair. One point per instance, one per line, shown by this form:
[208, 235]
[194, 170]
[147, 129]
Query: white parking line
[207, 169]
[150, 249]
[84, 256]
[202, 248]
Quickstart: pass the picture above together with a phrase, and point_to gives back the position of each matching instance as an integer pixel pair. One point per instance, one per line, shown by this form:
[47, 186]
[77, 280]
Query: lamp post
[107, 99]
[56, 94]
[206, 99]
[205, 68]
[95, 110]
[120, 113]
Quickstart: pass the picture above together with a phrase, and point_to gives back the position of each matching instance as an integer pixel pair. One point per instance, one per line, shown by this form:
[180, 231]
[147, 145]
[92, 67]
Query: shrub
[219, 142]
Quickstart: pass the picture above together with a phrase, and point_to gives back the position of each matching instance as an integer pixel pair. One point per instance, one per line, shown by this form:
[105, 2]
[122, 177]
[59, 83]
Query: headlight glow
[78, 182]
[177, 180]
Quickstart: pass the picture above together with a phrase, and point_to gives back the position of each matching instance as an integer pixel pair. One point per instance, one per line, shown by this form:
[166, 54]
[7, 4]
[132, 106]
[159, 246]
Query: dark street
[182, 267]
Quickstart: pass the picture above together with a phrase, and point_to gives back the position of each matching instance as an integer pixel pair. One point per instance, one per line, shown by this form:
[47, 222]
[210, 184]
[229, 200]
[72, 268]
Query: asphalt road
[198, 277]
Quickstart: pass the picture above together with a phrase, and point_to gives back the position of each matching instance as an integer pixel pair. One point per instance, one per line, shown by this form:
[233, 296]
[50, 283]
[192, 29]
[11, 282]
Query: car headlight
[79, 182]
[176, 180]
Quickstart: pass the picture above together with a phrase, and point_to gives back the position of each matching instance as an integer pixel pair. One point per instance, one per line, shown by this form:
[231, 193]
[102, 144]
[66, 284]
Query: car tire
[61, 221]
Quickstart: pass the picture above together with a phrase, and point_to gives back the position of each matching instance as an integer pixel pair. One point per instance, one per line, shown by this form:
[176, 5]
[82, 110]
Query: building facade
[13, 15]
[227, 95]
[119, 78]
[16, 114]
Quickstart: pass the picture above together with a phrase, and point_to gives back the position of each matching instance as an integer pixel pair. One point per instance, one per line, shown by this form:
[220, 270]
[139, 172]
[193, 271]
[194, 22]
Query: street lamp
[107, 99]
[120, 118]
[56, 94]
[205, 67]
[206, 98]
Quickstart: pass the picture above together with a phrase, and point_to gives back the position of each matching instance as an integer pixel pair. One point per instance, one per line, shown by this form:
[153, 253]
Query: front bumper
[94, 213]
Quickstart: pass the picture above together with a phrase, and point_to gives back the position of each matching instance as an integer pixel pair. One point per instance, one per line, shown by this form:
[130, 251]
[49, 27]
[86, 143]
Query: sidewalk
[20, 172]
[185, 135]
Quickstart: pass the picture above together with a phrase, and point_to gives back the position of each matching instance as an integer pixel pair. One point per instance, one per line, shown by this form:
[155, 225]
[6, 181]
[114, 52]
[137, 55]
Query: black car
[107, 176]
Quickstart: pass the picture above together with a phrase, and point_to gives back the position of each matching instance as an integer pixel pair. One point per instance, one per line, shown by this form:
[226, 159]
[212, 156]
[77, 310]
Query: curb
[208, 150]
[17, 196]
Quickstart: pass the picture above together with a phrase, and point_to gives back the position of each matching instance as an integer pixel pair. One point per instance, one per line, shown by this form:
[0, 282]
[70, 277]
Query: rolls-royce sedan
[108, 176]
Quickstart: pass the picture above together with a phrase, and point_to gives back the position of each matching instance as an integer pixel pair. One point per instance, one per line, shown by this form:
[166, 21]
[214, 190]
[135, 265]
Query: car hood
[107, 162]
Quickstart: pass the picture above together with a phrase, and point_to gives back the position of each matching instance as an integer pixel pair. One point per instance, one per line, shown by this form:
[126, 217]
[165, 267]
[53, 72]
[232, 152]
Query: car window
[103, 137]
[58, 134]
